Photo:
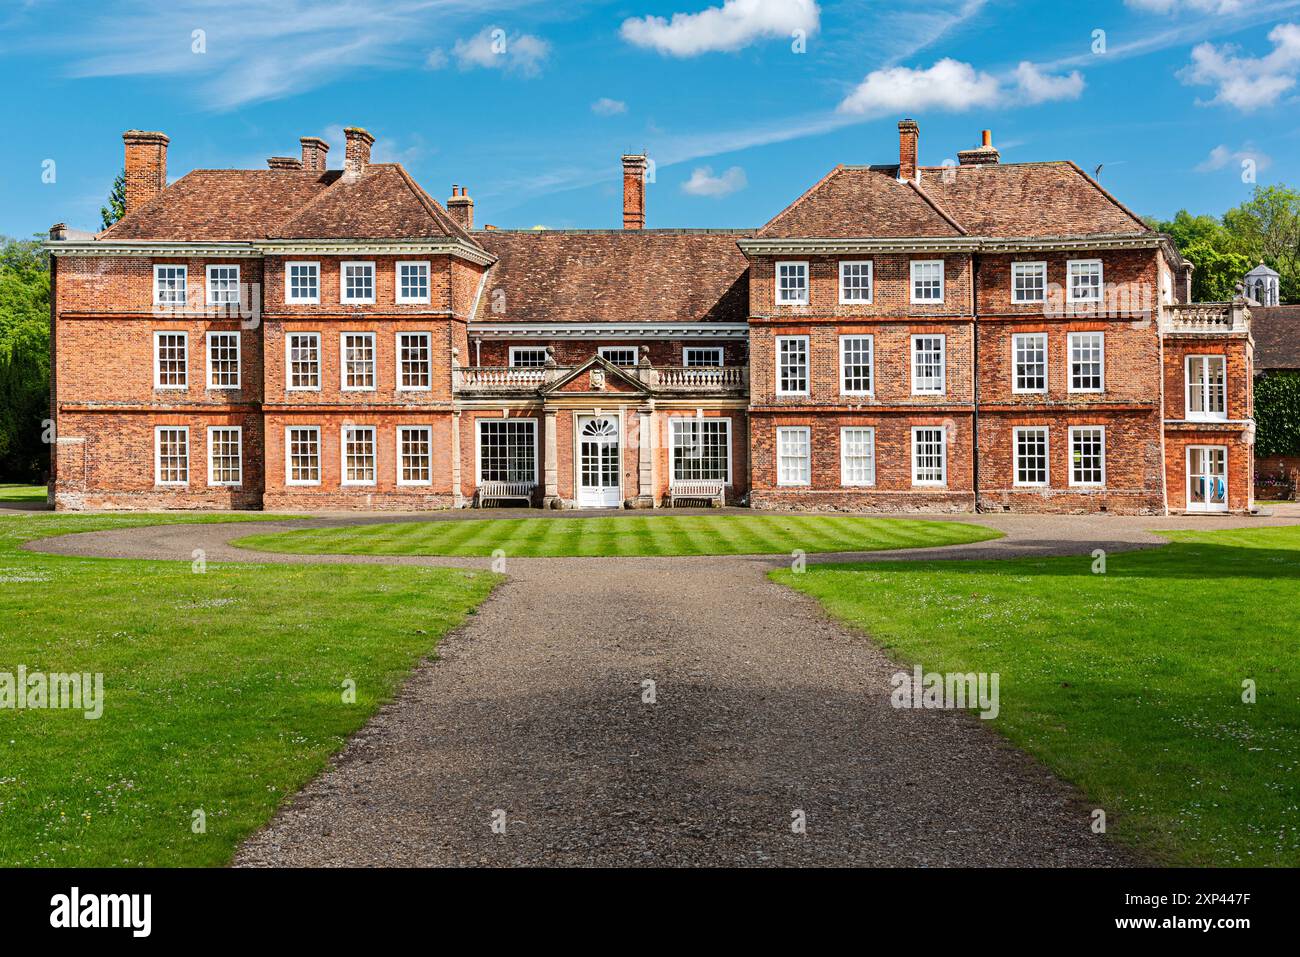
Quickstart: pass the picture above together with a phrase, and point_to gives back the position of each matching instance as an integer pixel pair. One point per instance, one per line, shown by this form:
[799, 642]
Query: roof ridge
[1101, 189]
[319, 197]
[434, 208]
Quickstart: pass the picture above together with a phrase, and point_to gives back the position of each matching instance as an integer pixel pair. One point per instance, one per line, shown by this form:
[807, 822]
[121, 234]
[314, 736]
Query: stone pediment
[597, 376]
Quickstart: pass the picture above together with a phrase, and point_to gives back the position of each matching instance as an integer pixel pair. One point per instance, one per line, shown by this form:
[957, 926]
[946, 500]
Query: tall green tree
[24, 360]
[116, 207]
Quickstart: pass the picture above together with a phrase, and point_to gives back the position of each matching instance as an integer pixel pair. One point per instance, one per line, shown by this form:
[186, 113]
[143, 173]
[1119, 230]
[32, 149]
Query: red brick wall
[892, 290]
[1241, 465]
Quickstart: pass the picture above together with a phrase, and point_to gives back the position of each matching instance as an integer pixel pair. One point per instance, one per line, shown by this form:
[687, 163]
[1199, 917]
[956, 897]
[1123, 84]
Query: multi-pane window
[507, 450]
[793, 455]
[855, 282]
[1030, 455]
[358, 360]
[1207, 387]
[302, 282]
[414, 361]
[413, 282]
[357, 282]
[225, 455]
[172, 455]
[927, 280]
[171, 358]
[1087, 361]
[527, 357]
[792, 283]
[1029, 282]
[302, 455]
[701, 449]
[1088, 455]
[1029, 354]
[1083, 278]
[359, 455]
[791, 365]
[169, 285]
[696, 356]
[929, 456]
[223, 285]
[302, 360]
[857, 455]
[856, 365]
[619, 355]
[928, 365]
[223, 360]
[414, 455]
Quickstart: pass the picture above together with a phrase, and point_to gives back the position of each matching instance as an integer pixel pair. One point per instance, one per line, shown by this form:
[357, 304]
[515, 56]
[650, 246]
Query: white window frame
[428, 282]
[1206, 508]
[513, 351]
[478, 444]
[715, 350]
[208, 284]
[942, 482]
[675, 421]
[288, 363]
[1070, 463]
[943, 363]
[185, 285]
[157, 358]
[288, 456]
[1070, 266]
[603, 352]
[807, 364]
[871, 364]
[1047, 456]
[343, 363]
[1204, 389]
[1018, 268]
[844, 479]
[239, 439]
[343, 454]
[807, 282]
[401, 372]
[343, 283]
[1069, 362]
[289, 297]
[912, 269]
[806, 479]
[1016, 339]
[428, 431]
[239, 357]
[871, 282]
[157, 455]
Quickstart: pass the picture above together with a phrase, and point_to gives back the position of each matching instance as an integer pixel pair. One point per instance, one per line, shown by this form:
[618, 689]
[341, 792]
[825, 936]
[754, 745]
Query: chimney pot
[909, 135]
[357, 156]
[313, 153]
[634, 174]
[146, 166]
[987, 138]
[461, 207]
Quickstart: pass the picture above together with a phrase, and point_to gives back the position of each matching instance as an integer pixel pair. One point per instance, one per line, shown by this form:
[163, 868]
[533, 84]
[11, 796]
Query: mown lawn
[623, 536]
[1128, 683]
[21, 493]
[223, 689]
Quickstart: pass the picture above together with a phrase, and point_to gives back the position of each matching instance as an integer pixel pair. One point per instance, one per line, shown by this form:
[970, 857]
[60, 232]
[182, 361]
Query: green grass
[22, 493]
[623, 536]
[222, 689]
[1128, 683]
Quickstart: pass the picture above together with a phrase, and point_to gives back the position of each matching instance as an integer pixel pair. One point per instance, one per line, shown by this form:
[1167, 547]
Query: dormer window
[357, 283]
[792, 284]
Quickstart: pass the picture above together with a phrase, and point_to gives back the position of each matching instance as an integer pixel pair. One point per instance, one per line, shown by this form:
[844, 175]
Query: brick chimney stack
[357, 156]
[909, 136]
[284, 162]
[146, 166]
[985, 154]
[313, 153]
[634, 173]
[461, 207]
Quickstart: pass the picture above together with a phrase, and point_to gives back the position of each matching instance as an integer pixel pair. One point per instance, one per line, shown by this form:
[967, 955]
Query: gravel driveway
[763, 708]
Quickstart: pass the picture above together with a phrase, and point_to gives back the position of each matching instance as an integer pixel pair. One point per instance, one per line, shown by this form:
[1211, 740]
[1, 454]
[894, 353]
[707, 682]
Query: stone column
[457, 497]
[552, 471]
[645, 460]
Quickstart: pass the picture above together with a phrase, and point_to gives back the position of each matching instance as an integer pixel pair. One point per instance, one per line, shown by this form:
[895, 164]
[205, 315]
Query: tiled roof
[861, 201]
[1277, 336]
[615, 276]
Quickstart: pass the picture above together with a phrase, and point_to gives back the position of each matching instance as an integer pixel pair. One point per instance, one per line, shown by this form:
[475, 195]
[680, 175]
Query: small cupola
[1263, 286]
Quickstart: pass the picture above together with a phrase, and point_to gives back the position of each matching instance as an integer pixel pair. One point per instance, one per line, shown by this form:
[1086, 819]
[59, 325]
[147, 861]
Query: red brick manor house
[984, 335]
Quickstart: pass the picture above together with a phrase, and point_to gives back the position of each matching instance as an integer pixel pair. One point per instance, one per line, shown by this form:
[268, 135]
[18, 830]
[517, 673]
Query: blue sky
[741, 103]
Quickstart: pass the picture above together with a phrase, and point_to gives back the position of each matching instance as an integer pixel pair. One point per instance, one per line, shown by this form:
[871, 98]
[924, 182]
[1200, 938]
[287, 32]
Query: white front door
[599, 468]
[1207, 478]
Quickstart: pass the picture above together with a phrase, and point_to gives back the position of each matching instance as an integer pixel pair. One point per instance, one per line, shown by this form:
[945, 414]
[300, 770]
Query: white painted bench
[502, 491]
[712, 489]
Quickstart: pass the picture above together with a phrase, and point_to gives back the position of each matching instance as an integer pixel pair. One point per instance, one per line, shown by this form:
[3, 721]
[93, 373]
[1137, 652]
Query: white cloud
[1039, 87]
[607, 107]
[1199, 6]
[704, 183]
[436, 60]
[494, 49]
[733, 26]
[953, 85]
[1248, 83]
[1221, 156]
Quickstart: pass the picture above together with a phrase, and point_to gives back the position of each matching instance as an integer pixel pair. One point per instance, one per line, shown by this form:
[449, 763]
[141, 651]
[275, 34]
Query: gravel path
[763, 708]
